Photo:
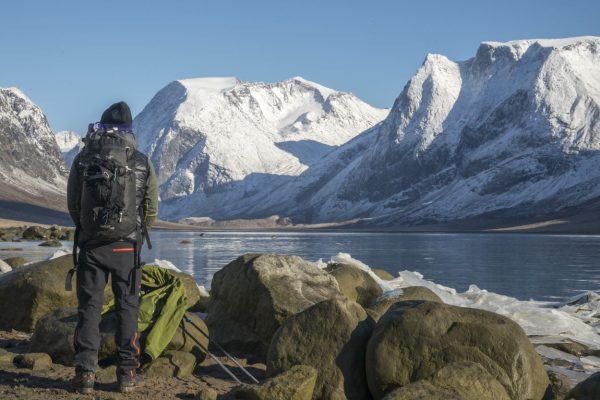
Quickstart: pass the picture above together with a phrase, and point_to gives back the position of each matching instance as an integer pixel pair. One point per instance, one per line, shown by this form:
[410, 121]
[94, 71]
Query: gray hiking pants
[96, 262]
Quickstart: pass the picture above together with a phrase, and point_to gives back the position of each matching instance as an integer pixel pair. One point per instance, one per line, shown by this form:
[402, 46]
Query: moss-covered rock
[416, 339]
[38, 289]
[330, 336]
[253, 295]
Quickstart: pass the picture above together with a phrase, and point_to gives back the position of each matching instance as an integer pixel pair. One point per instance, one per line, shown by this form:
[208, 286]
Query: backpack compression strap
[69, 278]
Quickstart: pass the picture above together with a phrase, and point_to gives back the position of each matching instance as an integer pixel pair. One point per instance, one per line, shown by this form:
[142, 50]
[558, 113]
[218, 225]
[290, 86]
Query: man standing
[113, 200]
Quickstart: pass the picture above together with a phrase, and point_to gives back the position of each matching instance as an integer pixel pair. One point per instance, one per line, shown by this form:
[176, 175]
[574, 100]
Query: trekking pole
[189, 320]
[204, 349]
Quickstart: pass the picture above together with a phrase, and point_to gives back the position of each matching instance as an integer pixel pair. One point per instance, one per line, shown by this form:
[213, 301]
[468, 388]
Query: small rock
[6, 356]
[16, 262]
[383, 274]
[172, 363]
[577, 349]
[50, 243]
[297, 383]
[35, 233]
[206, 394]
[106, 375]
[35, 361]
[559, 386]
[356, 284]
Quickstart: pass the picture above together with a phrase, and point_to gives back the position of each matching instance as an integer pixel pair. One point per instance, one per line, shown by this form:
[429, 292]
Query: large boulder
[460, 381]
[586, 390]
[37, 289]
[297, 383]
[416, 339]
[356, 284]
[383, 303]
[54, 335]
[252, 296]
[330, 336]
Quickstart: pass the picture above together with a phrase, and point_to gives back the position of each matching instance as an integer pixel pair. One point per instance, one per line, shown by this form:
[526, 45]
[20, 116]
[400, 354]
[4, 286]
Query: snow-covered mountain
[512, 132]
[218, 141]
[31, 165]
[67, 140]
[70, 144]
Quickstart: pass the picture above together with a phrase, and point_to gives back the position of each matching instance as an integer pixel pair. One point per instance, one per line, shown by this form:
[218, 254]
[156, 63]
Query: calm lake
[526, 266]
[541, 267]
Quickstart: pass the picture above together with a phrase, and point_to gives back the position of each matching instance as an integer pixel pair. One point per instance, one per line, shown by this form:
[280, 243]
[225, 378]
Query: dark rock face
[330, 336]
[416, 339]
[253, 295]
[586, 390]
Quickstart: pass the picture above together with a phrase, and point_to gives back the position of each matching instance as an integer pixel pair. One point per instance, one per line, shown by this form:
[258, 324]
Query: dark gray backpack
[108, 194]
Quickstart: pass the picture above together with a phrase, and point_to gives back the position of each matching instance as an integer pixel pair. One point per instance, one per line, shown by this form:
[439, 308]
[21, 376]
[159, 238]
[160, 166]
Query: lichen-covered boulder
[416, 339]
[330, 336]
[383, 303]
[253, 295]
[37, 289]
[297, 383]
[356, 284]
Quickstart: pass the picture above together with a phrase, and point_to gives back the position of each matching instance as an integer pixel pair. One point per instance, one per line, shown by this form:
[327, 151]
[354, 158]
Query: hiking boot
[128, 381]
[83, 382]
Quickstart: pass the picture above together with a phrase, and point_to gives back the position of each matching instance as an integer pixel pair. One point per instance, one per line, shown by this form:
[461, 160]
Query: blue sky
[74, 58]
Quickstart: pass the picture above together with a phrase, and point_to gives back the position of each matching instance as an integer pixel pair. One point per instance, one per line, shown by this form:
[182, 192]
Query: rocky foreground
[304, 331]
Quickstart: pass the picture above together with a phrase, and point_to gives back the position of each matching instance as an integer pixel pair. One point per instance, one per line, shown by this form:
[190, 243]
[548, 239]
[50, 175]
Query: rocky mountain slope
[218, 141]
[512, 133]
[32, 170]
